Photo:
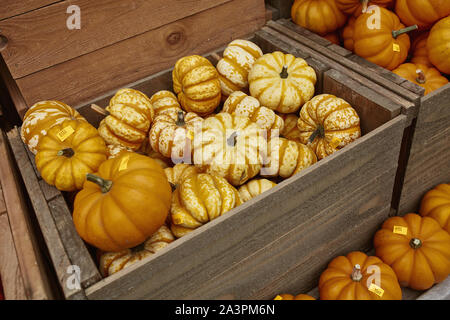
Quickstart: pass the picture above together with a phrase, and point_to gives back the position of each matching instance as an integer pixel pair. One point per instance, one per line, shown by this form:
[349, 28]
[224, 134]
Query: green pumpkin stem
[284, 73]
[320, 131]
[356, 273]
[420, 76]
[105, 185]
[396, 33]
[415, 243]
[180, 119]
[67, 152]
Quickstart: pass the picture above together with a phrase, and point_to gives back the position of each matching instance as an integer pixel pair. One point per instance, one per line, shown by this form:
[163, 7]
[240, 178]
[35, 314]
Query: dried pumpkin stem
[105, 185]
[356, 273]
[284, 73]
[67, 152]
[232, 139]
[415, 243]
[420, 76]
[320, 131]
[180, 119]
[99, 109]
[365, 4]
[396, 33]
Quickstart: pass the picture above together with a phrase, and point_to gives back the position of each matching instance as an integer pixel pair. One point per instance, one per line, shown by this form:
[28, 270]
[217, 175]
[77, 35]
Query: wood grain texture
[13, 90]
[2, 203]
[93, 74]
[11, 8]
[282, 6]
[440, 291]
[41, 39]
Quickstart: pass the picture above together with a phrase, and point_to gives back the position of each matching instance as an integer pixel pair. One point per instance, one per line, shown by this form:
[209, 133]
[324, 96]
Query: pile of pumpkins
[410, 251]
[409, 37]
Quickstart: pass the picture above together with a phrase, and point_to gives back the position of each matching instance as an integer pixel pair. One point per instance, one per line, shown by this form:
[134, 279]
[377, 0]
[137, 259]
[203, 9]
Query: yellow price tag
[396, 47]
[124, 163]
[65, 133]
[177, 219]
[335, 142]
[376, 289]
[278, 297]
[400, 230]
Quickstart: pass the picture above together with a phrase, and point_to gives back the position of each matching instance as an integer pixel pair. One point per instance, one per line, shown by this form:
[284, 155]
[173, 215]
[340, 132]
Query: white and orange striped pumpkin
[164, 101]
[254, 188]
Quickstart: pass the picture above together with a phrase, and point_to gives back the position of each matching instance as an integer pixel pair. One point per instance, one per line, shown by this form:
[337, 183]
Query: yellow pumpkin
[290, 130]
[178, 173]
[420, 51]
[282, 82]
[197, 84]
[146, 149]
[68, 152]
[40, 117]
[254, 188]
[287, 158]
[428, 78]
[246, 106]
[238, 58]
[287, 296]
[436, 204]
[114, 151]
[328, 123]
[164, 101]
[112, 262]
[230, 146]
[199, 199]
[422, 12]
[438, 45]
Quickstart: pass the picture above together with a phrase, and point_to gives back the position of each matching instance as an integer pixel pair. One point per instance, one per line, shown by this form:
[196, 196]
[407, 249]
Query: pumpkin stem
[284, 74]
[232, 139]
[420, 76]
[180, 119]
[365, 4]
[415, 243]
[105, 185]
[356, 273]
[99, 109]
[396, 33]
[67, 152]
[320, 131]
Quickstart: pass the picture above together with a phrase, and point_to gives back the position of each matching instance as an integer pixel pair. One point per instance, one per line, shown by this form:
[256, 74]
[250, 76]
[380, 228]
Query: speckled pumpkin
[246, 106]
[40, 117]
[146, 149]
[357, 7]
[428, 78]
[63, 160]
[422, 12]
[438, 45]
[287, 296]
[178, 173]
[290, 130]
[282, 82]
[420, 51]
[199, 199]
[287, 158]
[436, 204]
[254, 188]
[328, 123]
[112, 262]
[197, 84]
[164, 101]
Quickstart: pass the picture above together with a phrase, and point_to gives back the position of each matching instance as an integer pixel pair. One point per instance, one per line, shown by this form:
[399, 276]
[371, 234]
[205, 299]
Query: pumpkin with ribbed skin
[64, 161]
[421, 257]
[319, 16]
[123, 204]
[424, 13]
[356, 7]
[246, 106]
[197, 84]
[147, 150]
[287, 296]
[428, 78]
[114, 151]
[350, 277]
[328, 123]
[287, 158]
[199, 199]
[332, 37]
[172, 134]
[347, 34]
[164, 101]
[238, 58]
[438, 45]
[254, 188]
[386, 46]
[436, 204]
[230, 146]
[282, 82]
[40, 117]
[178, 173]
[112, 262]
[290, 130]
[420, 51]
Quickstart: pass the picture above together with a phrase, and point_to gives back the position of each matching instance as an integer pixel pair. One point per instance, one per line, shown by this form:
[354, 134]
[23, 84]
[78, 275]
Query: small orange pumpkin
[357, 7]
[428, 78]
[347, 34]
[287, 296]
[419, 50]
[333, 37]
[438, 45]
[436, 204]
[422, 12]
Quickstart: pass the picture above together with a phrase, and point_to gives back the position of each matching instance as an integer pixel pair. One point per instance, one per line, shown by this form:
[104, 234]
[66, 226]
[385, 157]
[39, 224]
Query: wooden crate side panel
[440, 291]
[11, 8]
[282, 6]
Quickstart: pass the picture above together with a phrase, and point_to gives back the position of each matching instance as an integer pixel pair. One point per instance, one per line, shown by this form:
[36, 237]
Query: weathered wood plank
[11, 8]
[440, 291]
[2, 202]
[282, 6]
[50, 192]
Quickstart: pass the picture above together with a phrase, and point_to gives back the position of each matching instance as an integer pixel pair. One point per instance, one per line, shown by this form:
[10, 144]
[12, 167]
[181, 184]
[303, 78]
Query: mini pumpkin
[114, 151]
[420, 51]
[357, 7]
[332, 37]
[436, 204]
[424, 13]
[40, 117]
[319, 16]
[347, 34]
[416, 248]
[351, 277]
[254, 188]
[199, 199]
[197, 84]
[438, 44]
[290, 130]
[282, 82]
[123, 204]
[112, 262]
[164, 101]
[177, 174]
[238, 58]
[287, 158]
[287, 296]
[428, 78]
[146, 149]
[328, 123]
[68, 152]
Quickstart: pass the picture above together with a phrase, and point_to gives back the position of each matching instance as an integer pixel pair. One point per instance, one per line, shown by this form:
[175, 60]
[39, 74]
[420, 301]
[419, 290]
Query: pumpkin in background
[420, 51]
[282, 82]
[172, 134]
[333, 37]
[164, 101]
[428, 78]
[199, 199]
[424, 13]
[287, 158]
[40, 117]
[417, 248]
[347, 34]
[351, 278]
[123, 204]
[254, 188]
[147, 150]
[357, 7]
[436, 204]
[112, 262]
[287, 296]
[114, 151]
[178, 173]
[68, 152]
[290, 130]
[387, 46]
[197, 84]
[130, 116]
[246, 106]
[319, 16]
[438, 45]
[238, 58]
[328, 123]
[230, 146]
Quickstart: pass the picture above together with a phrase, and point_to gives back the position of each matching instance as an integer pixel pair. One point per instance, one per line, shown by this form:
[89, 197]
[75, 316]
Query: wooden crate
[425, 154]
[261, 246]
[281, 8]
